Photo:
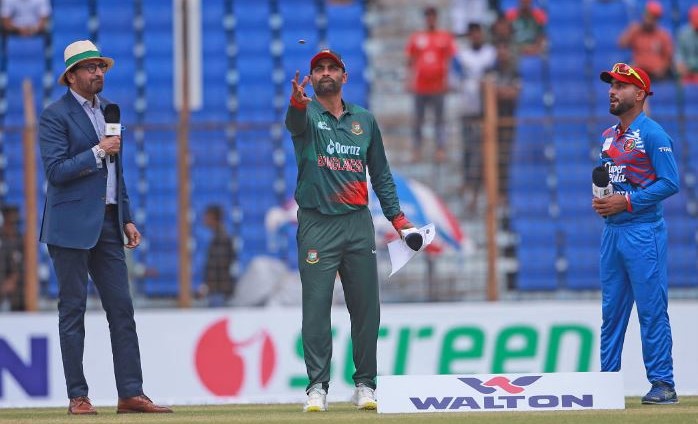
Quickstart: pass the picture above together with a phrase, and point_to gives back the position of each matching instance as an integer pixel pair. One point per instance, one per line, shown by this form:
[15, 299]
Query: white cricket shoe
[364, 398]
[317, 399]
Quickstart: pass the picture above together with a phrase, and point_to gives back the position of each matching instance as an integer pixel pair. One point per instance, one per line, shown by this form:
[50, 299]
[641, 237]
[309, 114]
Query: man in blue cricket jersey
[638, 154]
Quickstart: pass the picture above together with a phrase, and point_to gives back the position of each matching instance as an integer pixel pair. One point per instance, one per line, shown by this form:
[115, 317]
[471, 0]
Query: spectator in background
[508, 85]
[528, 25]
[467, 12]
[25, 17]
[219, 283]
[429, 56]
[501, 30]
[651, 45]
[474, 59]
[11, 261]
[687, 48]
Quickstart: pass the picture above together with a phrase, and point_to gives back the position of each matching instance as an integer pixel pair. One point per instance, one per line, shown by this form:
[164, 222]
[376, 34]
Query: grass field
[635, 413]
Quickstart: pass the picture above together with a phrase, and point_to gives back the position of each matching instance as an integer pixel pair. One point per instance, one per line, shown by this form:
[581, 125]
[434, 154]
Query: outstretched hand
[298, 93]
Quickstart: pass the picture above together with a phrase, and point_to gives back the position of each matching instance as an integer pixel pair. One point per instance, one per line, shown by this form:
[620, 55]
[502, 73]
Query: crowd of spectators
[486, 39]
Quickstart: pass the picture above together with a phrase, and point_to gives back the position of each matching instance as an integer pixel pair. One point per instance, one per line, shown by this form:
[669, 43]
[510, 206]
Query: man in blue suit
[86, 220]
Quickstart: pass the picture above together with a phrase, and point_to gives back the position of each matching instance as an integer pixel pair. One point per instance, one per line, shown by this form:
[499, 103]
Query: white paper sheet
[400, 253]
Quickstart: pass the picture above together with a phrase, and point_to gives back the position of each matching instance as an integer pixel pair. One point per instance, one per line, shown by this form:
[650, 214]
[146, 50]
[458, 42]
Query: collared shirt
[94, 112]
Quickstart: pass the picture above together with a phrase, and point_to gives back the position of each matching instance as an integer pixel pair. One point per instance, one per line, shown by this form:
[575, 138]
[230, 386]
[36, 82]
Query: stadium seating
[250, 51]
[550, 193]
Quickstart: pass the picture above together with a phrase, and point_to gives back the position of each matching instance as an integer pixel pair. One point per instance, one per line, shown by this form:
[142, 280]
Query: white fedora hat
[77, 52]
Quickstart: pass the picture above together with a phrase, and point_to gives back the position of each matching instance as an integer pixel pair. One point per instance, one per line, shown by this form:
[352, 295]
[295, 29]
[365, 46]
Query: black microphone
[601, 186]
[413, 238]
[112, 118]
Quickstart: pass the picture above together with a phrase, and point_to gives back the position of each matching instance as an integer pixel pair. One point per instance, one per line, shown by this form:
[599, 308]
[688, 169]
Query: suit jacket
[75, 197]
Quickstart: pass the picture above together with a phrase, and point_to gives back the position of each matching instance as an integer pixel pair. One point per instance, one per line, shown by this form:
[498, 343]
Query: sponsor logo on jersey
[340, 164]
[637, 142]
[356, 128]
[312, 257]
[322, 125]
[665, 149]
[339, 148]
[617, 173]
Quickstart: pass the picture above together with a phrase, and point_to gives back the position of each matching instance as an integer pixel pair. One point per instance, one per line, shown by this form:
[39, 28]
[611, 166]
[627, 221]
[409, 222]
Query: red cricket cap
[327, 54]
[629, 75]
[654, 8]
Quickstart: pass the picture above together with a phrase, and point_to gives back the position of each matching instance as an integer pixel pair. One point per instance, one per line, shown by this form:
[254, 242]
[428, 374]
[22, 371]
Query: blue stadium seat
[302, 13]
[567, 38]
[531, 68]
[582, 267]
[345, 40]
[253, 41]
[537, 269]
[345, 15]
[568, 12]
[536, 253]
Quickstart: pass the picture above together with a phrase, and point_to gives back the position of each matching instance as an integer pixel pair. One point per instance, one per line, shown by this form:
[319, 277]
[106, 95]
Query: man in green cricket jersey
[335, 143]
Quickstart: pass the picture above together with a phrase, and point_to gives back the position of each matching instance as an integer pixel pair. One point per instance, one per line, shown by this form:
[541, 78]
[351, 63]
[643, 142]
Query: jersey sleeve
[661, 155]
[381, 177]
[296, 119]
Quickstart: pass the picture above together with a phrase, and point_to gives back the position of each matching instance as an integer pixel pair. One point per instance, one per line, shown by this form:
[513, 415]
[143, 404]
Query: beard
[620, 108]
[326, 86]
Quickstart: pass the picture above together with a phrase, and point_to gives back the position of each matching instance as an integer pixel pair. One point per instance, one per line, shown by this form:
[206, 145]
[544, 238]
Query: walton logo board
[508, 392]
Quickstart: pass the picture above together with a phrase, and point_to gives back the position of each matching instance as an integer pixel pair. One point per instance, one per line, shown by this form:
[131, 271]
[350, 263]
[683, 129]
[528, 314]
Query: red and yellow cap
[628, 74]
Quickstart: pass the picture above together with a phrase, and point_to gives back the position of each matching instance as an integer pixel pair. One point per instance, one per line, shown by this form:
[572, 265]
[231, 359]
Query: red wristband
[628, 206]
[400, 221]
[298, 105]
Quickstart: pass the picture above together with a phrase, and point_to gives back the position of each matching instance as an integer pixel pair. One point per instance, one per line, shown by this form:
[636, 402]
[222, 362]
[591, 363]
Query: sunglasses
[625, 69]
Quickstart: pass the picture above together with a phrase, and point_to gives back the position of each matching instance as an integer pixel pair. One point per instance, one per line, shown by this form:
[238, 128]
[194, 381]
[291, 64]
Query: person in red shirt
[429, 54]
[651, 45]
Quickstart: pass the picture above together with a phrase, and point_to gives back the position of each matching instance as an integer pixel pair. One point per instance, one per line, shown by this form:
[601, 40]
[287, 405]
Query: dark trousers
[106, 264]
[328, 245]
[435, 102]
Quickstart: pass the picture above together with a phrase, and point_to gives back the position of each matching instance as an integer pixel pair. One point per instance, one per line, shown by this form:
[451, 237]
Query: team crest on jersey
[629, 145]
[312, 257]
[356, 128]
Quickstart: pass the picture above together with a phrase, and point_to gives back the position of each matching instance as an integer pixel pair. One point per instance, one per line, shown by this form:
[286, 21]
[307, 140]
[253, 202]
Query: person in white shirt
[25, 17]
[475, 60]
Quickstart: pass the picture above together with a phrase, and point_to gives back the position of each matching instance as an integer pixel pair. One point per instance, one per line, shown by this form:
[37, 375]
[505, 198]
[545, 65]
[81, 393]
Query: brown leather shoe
[138, 404]
[81, 405]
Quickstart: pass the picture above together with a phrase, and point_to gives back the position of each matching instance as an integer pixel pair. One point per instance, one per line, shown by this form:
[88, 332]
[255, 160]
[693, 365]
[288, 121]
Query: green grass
[635, 413]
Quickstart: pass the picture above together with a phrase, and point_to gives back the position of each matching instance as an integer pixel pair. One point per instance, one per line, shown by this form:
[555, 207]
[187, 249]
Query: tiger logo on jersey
[312, 257]
[629, 145]
[356, 128]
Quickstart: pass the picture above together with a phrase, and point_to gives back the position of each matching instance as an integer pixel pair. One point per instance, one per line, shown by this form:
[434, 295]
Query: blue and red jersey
[641, 164]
